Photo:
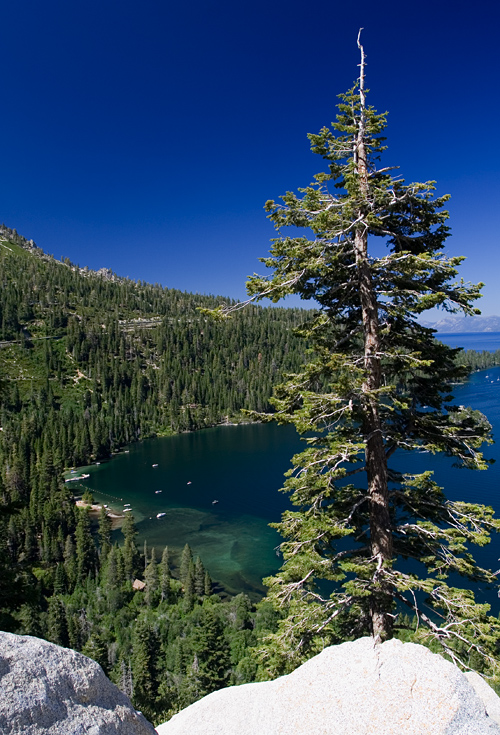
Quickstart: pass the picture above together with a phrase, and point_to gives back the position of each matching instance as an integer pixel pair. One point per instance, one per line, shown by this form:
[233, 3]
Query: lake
[487, 341]
[241, 467]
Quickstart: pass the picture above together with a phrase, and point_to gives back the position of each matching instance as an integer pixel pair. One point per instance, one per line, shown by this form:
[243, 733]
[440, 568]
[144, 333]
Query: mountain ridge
[467, 324]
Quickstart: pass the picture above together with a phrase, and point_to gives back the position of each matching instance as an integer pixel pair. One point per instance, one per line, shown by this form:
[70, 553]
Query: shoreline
[155, 435]
[168, 433]
[94, 510]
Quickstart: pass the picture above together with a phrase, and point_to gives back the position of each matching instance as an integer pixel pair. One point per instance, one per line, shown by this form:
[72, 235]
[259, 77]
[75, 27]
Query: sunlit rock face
[353, 689]
[49, 690]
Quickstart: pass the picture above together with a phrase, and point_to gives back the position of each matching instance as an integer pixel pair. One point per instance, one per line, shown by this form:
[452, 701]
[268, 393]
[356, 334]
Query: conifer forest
[90, 362]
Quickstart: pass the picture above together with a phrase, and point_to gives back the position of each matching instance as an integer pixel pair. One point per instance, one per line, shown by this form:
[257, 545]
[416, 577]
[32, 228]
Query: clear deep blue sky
[146, 136]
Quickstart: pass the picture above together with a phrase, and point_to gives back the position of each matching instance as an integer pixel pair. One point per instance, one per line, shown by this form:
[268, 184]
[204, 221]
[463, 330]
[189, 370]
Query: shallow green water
[239, 466]
[242, 467]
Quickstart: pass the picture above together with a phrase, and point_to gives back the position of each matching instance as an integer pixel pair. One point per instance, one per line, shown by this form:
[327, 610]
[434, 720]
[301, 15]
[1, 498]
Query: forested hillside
[90, 362]
[142, 355]
[478, 360]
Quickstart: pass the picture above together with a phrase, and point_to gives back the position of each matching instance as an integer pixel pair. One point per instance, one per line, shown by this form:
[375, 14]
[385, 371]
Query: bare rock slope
[49, 690]
[352, 689]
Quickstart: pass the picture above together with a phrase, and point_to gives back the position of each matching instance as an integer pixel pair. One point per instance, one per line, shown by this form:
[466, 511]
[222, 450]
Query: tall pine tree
[376, 382]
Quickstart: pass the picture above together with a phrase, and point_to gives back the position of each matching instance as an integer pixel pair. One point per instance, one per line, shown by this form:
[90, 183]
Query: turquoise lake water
[242, 468]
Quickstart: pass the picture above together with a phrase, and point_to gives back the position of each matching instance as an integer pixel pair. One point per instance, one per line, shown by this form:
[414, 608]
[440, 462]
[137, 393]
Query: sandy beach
[95, 508]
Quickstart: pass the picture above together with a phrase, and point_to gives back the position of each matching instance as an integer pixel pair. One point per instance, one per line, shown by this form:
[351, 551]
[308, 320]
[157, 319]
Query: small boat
[214, 502]
[73, 472]
[160, 515]
[125, 505]
[98, 463]
[155, 465]
[157, 492]
[127, 510]
[189, 483]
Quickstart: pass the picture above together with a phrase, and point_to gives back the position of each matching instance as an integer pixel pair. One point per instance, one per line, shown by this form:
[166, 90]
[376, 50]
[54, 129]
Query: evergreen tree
[13, 588]
[165, 574]
[29, 619]
[29, 542]
[207, 585]
[189, 588]
[113, 576]
[241, 611]
[145, 652]
[377, 382]
[186, 562]
[211, 649]
[70, 560]
[60, 580]
[111, 573]
[130, 552]
[199, 577]
[57, 624]
[104, 533]
[151, 579]
[96, 649]
[88, 498]
[86, 556]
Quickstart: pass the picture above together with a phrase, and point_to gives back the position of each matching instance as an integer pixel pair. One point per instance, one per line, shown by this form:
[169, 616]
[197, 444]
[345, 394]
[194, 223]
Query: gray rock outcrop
[46, 689]
[486, 694]
[351, 689]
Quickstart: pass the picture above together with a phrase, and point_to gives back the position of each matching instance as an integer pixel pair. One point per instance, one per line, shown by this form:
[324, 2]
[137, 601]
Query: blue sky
[146, 136]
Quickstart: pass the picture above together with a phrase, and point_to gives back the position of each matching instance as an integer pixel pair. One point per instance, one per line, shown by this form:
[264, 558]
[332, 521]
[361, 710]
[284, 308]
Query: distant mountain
[454, 324]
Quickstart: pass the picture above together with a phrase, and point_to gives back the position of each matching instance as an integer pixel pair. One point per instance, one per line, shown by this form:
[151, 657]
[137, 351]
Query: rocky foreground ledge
[352, 689]
[49, 690]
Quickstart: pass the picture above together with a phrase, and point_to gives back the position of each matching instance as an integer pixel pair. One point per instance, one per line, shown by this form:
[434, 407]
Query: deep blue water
[242, 468]
[481, 392]
[487, 341]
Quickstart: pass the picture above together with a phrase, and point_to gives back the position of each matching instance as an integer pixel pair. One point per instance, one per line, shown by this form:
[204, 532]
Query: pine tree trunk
[375, 457]
[376, 462]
